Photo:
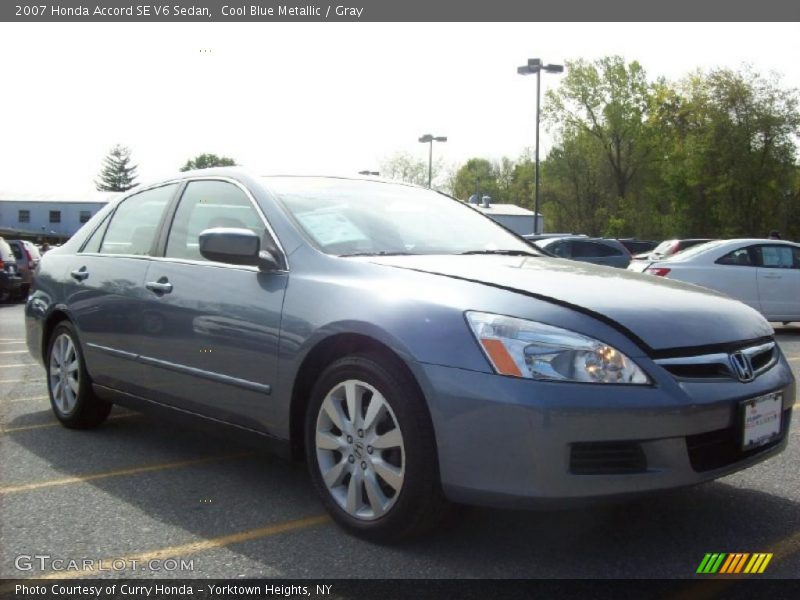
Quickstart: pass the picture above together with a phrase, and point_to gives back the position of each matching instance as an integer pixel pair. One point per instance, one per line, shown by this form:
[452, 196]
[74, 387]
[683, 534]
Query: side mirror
[237, 247]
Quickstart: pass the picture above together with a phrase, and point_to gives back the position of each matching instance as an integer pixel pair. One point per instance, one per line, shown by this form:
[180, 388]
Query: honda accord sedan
[411, 350]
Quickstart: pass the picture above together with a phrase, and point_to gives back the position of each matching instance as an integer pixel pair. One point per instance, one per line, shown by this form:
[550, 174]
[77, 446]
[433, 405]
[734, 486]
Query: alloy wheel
[360, 450]
[64, 374]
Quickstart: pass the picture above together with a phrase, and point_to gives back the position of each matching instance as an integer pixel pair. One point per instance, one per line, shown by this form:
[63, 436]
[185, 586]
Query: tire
[74, 404]
[384, 493]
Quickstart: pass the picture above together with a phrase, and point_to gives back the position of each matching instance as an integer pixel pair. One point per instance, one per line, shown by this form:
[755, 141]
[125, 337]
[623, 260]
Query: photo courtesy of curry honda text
[412, 351]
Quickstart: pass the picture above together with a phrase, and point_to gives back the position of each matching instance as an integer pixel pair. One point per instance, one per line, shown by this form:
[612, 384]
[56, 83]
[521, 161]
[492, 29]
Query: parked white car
[762, 273]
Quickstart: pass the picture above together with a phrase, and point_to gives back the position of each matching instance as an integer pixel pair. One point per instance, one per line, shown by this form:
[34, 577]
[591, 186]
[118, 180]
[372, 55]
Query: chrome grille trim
[722, 361]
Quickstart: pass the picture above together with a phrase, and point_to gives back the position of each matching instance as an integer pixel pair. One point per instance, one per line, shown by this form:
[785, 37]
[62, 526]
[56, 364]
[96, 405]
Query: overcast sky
[311, 97]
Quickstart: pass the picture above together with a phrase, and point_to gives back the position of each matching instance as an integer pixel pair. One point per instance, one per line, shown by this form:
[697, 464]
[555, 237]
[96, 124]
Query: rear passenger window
[740, 257]
[592, 249]
[93, 243]
[206, 205]
[560, 249]
[133, 225]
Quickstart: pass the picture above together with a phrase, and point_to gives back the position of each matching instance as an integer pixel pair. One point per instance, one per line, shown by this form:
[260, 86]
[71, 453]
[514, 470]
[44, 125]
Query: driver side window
[206, 205]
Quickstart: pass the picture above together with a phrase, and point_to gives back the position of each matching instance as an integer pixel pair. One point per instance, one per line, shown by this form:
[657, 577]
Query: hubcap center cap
[358, 450]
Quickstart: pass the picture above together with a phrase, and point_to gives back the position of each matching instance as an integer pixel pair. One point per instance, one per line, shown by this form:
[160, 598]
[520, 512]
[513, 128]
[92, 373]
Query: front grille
[718, 365]
[607, 458]
[699, 371]
[723, 447]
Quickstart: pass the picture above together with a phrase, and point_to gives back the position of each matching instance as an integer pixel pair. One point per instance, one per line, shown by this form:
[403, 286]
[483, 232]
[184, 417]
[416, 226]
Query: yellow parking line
[199, 546]
[27, 487]
[56, 423]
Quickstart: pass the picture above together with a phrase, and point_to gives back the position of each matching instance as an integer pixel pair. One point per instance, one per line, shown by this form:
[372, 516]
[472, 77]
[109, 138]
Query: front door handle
[162, 286]
[773, 276]
[79, 274]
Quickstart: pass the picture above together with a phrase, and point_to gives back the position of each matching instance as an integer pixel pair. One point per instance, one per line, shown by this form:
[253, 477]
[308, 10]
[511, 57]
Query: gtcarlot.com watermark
[46, 562]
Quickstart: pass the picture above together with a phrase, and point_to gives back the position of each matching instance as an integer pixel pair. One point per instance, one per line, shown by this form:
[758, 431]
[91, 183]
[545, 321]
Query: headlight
[534, 350]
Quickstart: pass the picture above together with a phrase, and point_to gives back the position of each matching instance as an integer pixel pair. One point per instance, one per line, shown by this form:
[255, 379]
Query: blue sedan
[412, 351]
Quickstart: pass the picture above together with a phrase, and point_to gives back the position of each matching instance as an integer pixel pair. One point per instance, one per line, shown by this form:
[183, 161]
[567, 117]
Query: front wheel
[71, 396]
[371, 450]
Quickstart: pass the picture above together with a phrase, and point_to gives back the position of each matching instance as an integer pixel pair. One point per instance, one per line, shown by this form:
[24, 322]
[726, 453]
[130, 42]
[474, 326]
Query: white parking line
[22, 380]
[12, 342]
[28, 399]
[14, 352]
[30, 364]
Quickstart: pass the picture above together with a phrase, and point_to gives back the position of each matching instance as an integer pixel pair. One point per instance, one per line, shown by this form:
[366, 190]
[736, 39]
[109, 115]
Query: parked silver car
[411, 350]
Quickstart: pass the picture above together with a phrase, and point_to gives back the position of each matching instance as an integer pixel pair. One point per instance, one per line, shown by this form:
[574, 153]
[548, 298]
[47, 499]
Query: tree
[402, 166]
[477, 176]
[207, 161]
[609, 100]
[730, 139]
[118, 174]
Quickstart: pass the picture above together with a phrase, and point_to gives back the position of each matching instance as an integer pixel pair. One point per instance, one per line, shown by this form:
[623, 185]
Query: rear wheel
[371, 450]
[71, 396]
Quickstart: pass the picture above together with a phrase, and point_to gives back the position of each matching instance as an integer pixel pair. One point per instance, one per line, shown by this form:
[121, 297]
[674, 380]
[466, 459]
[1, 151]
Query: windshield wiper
[377, 254]
[501, 252]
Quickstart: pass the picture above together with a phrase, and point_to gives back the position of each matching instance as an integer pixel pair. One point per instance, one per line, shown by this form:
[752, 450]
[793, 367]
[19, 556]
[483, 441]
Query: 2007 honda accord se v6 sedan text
[411, 350]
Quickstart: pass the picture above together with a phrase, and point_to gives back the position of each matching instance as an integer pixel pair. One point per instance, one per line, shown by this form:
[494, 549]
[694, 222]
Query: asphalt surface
[157, 494]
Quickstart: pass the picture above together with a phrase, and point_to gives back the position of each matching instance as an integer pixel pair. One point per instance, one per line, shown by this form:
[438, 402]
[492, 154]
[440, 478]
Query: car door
[211, 329]
[104, 288]
[734, 274]
[778, 281]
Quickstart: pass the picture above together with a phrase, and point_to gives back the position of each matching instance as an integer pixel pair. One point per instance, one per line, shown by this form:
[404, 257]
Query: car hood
[658, 313]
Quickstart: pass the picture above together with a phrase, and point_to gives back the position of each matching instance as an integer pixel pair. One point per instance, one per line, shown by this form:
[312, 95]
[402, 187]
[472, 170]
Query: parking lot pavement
[144, 491]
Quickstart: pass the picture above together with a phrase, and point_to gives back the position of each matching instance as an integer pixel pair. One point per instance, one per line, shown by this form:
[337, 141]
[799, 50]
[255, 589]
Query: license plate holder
[761, 420]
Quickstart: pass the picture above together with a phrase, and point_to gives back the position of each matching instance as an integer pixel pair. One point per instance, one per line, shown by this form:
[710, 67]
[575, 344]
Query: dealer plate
[762, 420]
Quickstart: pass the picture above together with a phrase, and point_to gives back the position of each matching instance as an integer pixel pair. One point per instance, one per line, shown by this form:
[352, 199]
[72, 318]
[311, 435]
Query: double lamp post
[429, 139]
[535, 67]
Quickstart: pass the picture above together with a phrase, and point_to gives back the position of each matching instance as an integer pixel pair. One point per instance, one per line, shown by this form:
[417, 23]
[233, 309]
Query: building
[519, 220]
[51, 217]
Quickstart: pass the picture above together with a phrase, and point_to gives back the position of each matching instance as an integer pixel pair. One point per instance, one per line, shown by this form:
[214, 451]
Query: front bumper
[512, 442]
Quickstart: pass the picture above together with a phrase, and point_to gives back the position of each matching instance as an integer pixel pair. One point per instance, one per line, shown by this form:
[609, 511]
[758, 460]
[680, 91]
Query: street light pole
[429, 139]
[535, 66]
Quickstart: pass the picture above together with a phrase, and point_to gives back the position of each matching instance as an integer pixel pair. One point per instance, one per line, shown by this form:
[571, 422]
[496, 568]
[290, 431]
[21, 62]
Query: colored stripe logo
[733, 563]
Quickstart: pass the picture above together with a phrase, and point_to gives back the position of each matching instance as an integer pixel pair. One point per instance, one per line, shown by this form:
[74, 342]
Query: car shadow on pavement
[660, 535]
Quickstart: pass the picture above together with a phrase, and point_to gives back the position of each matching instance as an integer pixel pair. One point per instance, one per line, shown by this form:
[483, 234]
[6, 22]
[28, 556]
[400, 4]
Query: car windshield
[353, 217]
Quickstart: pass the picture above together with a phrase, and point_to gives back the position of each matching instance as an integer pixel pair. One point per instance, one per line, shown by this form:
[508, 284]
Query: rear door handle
[773, 276]
[79, 274]
[162, 286]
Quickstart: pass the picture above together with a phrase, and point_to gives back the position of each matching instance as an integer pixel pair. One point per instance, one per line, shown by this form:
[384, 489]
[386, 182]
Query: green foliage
[477, 176]
[711, 155]
[207, 161]
[406, 167]
[117, 174]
